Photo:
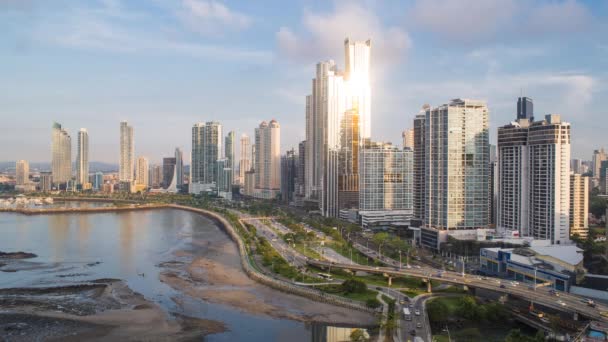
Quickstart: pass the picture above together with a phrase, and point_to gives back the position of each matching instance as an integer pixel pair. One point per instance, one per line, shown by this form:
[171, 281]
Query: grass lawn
[307, 251]
[450, 302]
[441, 338]
[337, 290]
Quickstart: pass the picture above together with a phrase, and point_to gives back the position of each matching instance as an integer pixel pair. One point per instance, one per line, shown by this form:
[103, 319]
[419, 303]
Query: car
[417, 312]
[413, 332]
[561, 302]
[411, 305]
[402, 302]
[418, 325]
[545, 320]
[418, 267]
[514, 283]
[376, 268]
[408, 266]
[590, 302]
[502, 286]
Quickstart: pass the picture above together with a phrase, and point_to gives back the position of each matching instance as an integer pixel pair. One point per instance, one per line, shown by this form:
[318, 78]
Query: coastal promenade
[45, 211]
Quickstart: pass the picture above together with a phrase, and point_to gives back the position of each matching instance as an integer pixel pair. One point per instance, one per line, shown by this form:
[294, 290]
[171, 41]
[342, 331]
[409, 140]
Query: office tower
[579, 205]
[598, 157]
[603, 181]
[82, 158]
[97, 181]
[408, 138]
[253, 155]
[179, 168]
[22, 172]
[61, 155]
[300, 185]
[457, 157]
[245, 161]
[168, 171]
[268, 160]
[206, 150]
[419, 166]
[249, 184]
[534, 178]
[576, 166]
[46, 181]
[289, 173]
[224, 178]
[386, 179]
[142, 175]
[343, 162]
[493, 185]
[229, 152]
[357, 79]
[156, 176]
[525, 108]
[127, 153]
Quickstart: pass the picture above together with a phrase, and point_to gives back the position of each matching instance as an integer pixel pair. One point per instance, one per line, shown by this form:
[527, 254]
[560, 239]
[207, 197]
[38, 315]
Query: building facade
[156, 176]
[22, 172]
[127, 153]
[419, 166]
[61, 163]
[598, 157]
[179, 168]
[268, 160]
[168, 171]
[245, 160]
[206, 150]
[224, 182]
[408, 138]
[579, 205]
[142, 174]
[289, 174]
[525, 108]
[46, 181]
[230, 151]
[82, 159]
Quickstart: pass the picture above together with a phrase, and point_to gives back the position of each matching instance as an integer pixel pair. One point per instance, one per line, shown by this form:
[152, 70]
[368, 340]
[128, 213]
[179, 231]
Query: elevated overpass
[566, 302]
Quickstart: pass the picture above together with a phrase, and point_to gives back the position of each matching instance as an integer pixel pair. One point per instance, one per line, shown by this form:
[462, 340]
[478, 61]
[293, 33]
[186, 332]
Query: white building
[206, 150]
[245, 160]
[82, 159]
[408, 138]
[579, 205]
[142, 173]
[22, 172]
[61, 164]
[268, 160]
[127, 153]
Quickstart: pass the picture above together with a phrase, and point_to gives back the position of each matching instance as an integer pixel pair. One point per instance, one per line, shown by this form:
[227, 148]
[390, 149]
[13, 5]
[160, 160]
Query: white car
[561, 302]
[417, 312]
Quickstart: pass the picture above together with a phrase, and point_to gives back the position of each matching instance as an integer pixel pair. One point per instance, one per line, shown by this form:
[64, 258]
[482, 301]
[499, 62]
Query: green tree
[467, 308]
[468, 334]
[354, 286]
[438, 311]
[358, 335]
[373, 303]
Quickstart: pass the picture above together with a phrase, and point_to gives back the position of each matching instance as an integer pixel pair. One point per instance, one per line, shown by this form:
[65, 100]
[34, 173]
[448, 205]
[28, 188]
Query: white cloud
[323, 34]
[211, 17]
[473, 21]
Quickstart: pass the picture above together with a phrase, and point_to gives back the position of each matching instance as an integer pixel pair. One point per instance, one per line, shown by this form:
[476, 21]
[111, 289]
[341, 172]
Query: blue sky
[163, 65]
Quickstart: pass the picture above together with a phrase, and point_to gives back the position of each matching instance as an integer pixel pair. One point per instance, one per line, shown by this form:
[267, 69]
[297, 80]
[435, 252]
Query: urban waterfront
[143, 247]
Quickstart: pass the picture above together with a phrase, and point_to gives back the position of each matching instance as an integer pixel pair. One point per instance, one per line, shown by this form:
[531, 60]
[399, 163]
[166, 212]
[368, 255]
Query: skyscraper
[61, 156]
[82, 159]
[22, 172]
[289, 171]
[156, 176]
[245, 161]
[457, 158]
[300, 185]
[230, 154]
[179, 168]
[206, 150]
[97, 181]
[525, 108]
[408, 138]
[168, 171]
[579, 205]
[127, 153]
[46, 181]
[142, 174]
[268, 160]
[419, 166]
[334, 95]
[534, 178]
[224, 178]
[598, 157]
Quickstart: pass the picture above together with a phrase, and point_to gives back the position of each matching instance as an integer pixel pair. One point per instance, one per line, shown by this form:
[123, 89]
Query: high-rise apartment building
[300, 185]
[598, 157]
[82, 159]
[603, 179]
[168, 171]
[525, 108]
[457, 158]
[289, 171]
[206, 150]
[142, 173]
[268, 159]
[179, 168]
[61, 164]
[224, 178]
[46, 181]
[419, 166]
[127, 153]
[245, 160]
[156, 176]
[579, 205]
[230, 151]
[22, 172]
[534, 179]
[408, 138]
[335, 94]
[97, 181]
[576, 166]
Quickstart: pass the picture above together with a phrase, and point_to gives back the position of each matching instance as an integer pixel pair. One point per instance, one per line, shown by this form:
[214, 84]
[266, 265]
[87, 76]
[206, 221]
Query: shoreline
[50, 211]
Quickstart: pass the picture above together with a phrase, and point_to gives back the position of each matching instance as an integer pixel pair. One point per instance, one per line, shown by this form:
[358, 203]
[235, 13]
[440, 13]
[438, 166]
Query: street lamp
[399, 260]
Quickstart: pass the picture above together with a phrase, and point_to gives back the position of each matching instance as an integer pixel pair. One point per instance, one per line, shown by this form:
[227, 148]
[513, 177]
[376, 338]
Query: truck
[406, 314]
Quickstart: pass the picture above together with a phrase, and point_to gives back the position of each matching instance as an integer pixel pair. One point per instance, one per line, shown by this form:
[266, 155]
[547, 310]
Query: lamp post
[534, 278]
[399, 260]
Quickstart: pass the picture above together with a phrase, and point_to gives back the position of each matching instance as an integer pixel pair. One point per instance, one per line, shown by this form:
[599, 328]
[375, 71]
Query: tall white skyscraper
[22, 172]
[534, 179]
[82, 158]
[206, 151]
[61, 163]
[245, 160]
[127, 153]
[142, 171]
[179, 168]
[457, 173]
[268, 159]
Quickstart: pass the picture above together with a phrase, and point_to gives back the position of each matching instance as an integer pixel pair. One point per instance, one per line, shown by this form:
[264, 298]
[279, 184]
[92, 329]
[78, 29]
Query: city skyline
[485, 61]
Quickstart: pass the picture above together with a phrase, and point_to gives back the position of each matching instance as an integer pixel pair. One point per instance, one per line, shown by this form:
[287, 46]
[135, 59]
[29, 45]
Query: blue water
[597, 334]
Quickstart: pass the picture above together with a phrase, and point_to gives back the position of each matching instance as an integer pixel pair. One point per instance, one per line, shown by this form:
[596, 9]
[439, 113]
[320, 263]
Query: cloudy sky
[163, 65]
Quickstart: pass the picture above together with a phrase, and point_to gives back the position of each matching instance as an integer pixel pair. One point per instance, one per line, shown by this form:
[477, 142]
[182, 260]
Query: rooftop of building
[569, 254]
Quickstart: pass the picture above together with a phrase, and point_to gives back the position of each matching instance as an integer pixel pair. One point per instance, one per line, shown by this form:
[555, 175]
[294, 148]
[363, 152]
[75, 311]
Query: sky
[164, 65]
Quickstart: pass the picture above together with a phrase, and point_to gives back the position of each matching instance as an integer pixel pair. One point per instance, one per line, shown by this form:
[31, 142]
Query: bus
[325, 276]
[406, 314]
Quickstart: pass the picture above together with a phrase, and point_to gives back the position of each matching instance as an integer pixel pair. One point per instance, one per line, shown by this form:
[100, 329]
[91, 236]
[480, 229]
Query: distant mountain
[45, 166]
